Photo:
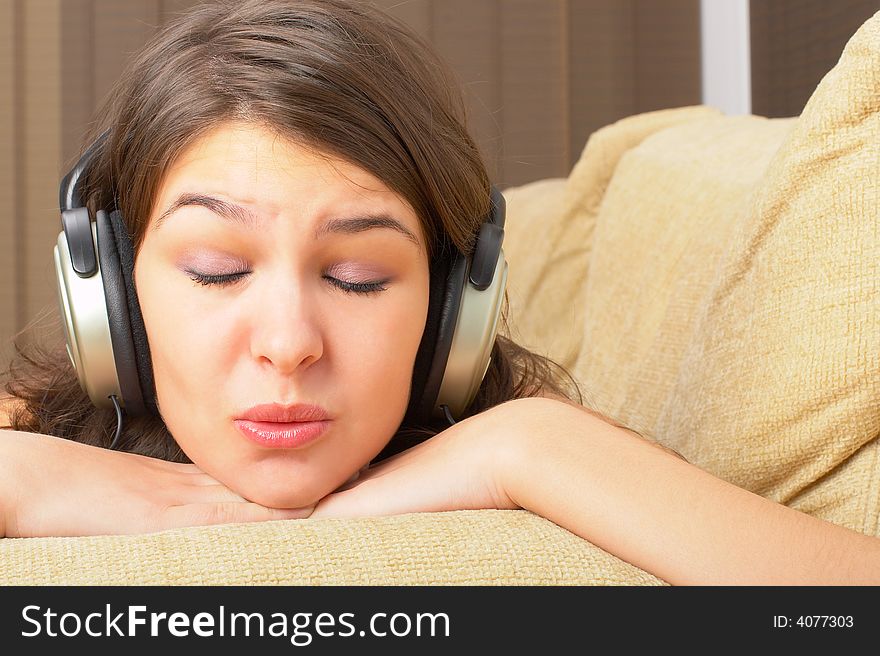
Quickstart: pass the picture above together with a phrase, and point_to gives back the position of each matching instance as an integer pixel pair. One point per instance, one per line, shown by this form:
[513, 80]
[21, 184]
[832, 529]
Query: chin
[280, 495]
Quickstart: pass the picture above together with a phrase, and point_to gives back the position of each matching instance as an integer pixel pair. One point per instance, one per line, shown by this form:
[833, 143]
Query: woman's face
[272, 275]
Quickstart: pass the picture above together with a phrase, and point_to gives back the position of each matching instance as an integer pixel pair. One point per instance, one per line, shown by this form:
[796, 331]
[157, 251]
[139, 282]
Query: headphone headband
[70, 195]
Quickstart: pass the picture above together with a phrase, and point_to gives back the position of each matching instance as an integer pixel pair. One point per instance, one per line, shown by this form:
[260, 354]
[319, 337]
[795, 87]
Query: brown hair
[337, 76]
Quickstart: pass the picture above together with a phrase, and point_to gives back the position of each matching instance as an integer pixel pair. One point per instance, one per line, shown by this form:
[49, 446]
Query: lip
[279, 412]
[279, 426]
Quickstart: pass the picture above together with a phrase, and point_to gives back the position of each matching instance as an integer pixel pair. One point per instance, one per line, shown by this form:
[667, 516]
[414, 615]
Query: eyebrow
[248, 219]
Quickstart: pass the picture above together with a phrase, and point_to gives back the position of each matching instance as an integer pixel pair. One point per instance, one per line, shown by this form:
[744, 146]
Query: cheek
[386, 342]
[185, 344]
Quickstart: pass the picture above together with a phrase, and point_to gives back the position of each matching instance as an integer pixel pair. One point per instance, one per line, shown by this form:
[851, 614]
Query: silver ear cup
[86, 326]
[472, 342]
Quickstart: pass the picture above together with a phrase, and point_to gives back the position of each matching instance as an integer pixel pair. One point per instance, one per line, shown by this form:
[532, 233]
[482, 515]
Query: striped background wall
[539, 77]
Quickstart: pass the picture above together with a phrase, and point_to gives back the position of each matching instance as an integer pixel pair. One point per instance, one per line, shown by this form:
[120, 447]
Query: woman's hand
[462, 468]
[54, 487]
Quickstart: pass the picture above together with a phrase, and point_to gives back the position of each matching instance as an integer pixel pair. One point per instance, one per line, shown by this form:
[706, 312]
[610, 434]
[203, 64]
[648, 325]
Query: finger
[203, 514]
[201, 478]
[166, 466]
[367, 499]
[187, 468]
[214, 492]
[340, 504]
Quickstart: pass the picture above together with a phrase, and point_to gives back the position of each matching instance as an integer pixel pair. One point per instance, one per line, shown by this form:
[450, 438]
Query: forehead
[273, 174]
[246, 145]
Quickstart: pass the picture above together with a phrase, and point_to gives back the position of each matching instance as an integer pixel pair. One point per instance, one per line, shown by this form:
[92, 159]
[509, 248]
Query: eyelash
[225, 279]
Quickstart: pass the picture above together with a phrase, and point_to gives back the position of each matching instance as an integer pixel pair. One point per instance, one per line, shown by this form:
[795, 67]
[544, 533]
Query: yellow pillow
[663, 224]
[778, 390]
[548, 235]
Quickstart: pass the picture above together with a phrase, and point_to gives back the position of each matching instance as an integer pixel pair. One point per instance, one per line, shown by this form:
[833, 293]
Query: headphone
[107, 342]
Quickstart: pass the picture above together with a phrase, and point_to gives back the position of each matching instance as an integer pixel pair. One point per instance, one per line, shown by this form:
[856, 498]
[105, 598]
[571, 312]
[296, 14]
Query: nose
[286, 330]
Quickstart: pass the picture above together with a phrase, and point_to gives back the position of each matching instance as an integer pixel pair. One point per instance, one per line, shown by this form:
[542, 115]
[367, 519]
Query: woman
[296, 182]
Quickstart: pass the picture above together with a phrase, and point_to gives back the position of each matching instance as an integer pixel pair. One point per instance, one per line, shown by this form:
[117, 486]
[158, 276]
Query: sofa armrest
[471, 547]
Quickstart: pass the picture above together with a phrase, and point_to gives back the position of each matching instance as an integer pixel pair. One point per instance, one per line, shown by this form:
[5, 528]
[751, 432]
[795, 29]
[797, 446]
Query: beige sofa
[713, 282]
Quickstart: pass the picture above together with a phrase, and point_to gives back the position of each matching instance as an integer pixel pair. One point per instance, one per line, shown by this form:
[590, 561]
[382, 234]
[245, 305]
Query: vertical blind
[538, 77]
[794, 43]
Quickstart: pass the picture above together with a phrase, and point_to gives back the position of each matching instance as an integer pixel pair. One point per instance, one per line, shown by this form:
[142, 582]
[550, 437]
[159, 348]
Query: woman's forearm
[10, 469]
[672, 519]
[3, 503]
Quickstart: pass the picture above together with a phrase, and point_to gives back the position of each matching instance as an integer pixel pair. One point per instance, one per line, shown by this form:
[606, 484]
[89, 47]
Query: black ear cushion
[117, 313]
[133, 362]
[449, 311]
[447, 282]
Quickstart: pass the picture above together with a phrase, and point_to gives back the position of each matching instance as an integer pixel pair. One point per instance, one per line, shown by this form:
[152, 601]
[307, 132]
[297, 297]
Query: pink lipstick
[279, 426]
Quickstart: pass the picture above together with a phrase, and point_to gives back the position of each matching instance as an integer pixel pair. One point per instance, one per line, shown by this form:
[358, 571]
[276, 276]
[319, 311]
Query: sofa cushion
[665, 222]
[779, 391]
[549, 235]
[731, 309]
[469, 547]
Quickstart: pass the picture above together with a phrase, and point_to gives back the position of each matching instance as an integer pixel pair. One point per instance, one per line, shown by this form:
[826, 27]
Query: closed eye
[357, 287]
[227, 279]
[221, 279]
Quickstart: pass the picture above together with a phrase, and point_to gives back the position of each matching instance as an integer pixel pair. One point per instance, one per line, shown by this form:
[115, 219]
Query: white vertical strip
[726, 57]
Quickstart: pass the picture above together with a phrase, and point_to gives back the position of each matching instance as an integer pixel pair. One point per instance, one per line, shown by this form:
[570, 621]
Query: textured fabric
[666, 220]
[549, 236]
[787, 352]
[732, 307]
[473, 547]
